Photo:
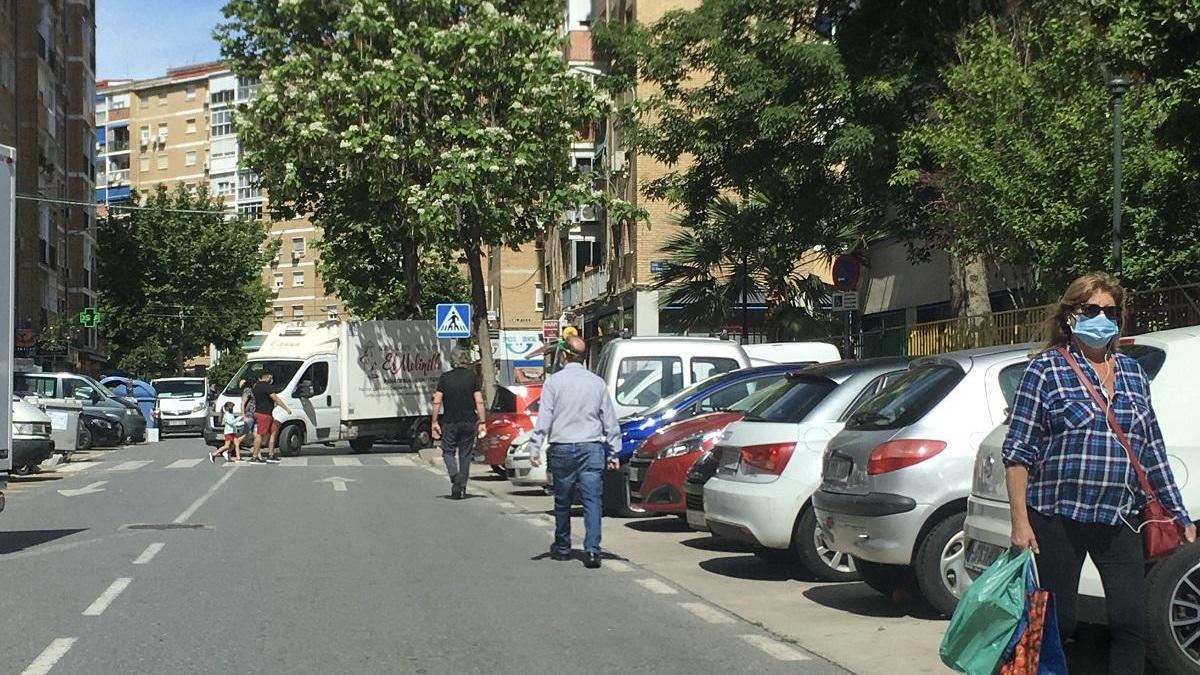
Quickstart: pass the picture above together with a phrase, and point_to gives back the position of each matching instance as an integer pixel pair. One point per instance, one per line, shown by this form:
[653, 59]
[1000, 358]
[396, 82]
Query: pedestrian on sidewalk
[266, 397]
[1071, 480]
[576, 417]
[233, 425]
[460, 401]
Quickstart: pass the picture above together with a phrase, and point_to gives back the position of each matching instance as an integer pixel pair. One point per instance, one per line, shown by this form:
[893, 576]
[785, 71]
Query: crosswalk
[325, 461]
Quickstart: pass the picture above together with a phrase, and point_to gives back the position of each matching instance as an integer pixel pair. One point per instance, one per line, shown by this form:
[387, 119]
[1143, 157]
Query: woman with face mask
[1071, 484]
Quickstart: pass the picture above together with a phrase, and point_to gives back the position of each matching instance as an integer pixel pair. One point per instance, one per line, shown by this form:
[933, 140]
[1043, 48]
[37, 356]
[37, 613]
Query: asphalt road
[153, 562]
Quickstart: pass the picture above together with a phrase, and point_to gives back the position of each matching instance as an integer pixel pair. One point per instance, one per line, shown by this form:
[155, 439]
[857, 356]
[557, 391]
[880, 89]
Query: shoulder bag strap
[1143, 479]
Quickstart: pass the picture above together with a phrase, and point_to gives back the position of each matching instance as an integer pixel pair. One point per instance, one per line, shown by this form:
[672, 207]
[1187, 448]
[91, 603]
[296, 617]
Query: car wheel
[1173, 612]
[291, 439]
[886, 579]
[361, 445]
[119, 432]
[499, 470]
[818, 559]
[421, 438]
[85, 438]
[941, 572]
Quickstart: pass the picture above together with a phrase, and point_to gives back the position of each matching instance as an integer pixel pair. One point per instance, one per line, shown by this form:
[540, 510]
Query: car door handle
[328, 401]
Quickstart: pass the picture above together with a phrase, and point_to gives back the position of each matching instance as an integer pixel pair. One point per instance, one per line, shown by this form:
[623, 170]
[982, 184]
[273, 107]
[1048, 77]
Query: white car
[520, 470]
[181, 404]
[769, 504]
[1170, 358]
[31, 442]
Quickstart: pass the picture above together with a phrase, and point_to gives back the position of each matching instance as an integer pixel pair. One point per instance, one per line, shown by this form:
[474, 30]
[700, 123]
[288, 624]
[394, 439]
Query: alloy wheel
[1185, 614]
[952, 564]
[837, 561]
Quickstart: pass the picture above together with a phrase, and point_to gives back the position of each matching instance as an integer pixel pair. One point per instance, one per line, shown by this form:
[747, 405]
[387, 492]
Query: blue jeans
[577, 465]
[458, 440]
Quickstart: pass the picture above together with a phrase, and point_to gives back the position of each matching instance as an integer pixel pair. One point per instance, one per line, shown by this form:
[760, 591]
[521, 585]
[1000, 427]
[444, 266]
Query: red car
[658, 466]
[513, 412]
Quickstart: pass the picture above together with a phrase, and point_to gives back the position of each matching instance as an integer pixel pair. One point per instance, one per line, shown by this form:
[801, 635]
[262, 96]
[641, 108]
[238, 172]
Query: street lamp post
[1117, 86]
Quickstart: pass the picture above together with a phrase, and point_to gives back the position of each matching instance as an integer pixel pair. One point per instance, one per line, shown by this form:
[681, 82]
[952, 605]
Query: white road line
[617, 566]
[74, 467]
[706, 612]
[187, 513]
[506, 505]
[346, 461]
[398, 461]
[775, 648]
[293, 461]
[656, 586]
[106, 598]
[184, 463]
[130, 466]
[49, 656]
[538, 521]
[430, 469]
[148, 555]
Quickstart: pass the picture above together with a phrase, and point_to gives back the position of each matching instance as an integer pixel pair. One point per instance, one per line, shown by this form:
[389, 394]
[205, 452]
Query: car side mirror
[304, 390]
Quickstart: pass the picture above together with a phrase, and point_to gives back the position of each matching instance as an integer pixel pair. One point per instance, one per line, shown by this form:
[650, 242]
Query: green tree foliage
[226, 366]
[439, 278]
[176, 276]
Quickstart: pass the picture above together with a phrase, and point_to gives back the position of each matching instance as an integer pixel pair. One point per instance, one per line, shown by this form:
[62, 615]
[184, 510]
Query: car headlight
[199, 406]
[112, 417]
[25, 429]
[687, 445]
[102, 424]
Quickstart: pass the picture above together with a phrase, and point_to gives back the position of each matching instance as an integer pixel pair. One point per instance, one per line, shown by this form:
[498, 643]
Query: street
[155, 561]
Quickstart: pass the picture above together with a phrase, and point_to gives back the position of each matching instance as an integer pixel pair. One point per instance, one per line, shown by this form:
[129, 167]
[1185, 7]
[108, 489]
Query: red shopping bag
[1027, 652]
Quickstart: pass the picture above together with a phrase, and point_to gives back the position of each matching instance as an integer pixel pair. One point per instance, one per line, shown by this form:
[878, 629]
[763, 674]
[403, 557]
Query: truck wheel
[362, 445]
[818, 559]
[291, 439]
[420, 439]
[886, 579]
[1173, 612]
[939, 563]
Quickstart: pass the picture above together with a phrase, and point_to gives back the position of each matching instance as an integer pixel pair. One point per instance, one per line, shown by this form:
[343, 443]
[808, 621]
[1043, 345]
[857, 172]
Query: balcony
[117, 146]
[118, 176]
[581, 290]
[117, 114]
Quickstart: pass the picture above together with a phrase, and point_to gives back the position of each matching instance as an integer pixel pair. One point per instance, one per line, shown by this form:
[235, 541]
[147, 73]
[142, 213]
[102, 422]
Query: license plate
[175, 423]
[635, 474]
[696, 519]
[981, 555]
[836, 469]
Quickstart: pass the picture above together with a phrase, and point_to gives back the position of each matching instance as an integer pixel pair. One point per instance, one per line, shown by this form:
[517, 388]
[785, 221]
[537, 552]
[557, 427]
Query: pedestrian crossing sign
[453, 320]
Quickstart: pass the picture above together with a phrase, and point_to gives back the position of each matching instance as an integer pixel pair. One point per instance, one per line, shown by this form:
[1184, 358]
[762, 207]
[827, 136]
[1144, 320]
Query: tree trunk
[969, 297]
[479, 311]
[411, 260]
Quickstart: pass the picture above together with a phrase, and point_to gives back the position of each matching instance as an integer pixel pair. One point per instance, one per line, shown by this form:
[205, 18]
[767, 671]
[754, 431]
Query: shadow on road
[34, 478]
[489, 478]
[529, 493]
[860, 599]
[716, 544]
[747, 567]
[11, 542]
[577, 555]
[658, 524]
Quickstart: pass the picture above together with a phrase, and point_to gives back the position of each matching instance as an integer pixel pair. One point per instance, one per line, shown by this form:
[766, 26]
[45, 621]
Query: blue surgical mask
[1095, 332]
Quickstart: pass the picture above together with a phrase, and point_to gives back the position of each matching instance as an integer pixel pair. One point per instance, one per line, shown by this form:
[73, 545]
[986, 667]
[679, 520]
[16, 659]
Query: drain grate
[166, 526]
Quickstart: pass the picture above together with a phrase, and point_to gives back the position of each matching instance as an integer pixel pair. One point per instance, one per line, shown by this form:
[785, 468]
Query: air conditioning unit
[145, 139]
[296, 255]
[619, 160]
[162, 138]
[206, 165]
[587, 214]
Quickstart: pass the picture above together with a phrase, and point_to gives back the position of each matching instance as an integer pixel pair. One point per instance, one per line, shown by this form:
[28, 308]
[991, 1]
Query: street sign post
[453, 320]
[845, 301]
[550, 330]
[846, 272]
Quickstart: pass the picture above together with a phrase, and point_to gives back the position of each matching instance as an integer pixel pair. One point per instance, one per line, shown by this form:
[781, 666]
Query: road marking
[774, 648]
[130, 466]
[106, 598]
[148, 555]
[85, 490]
[537, 521]
[706, 612]
[339, 483]
[431, 469]
[346, 461]
[184, 463]
[293, 461]
[617, 566]
[187, 513]
[506, 505]
[656, 586]
[49, 656]
[398, 461]
[74, 467]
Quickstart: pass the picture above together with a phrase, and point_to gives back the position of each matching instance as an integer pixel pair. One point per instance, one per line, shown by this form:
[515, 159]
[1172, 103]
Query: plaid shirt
[1077, 467]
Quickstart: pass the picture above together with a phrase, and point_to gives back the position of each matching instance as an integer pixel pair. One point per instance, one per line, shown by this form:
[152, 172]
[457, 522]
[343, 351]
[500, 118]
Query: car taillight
[895, 455]
[770, 458]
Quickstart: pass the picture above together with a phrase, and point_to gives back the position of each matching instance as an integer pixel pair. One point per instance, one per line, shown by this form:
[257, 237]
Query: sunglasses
[1090, 311]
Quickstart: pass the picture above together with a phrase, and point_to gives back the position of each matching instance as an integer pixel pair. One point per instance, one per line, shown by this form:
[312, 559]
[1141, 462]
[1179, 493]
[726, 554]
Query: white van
[641, 371]
[355, 381]
[770, 353]
[181, 404]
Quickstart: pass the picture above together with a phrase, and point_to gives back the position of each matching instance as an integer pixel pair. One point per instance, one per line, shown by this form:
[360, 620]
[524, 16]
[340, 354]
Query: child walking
[233, 435]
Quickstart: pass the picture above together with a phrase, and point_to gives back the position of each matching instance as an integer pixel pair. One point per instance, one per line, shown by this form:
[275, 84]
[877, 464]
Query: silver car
[895, 480]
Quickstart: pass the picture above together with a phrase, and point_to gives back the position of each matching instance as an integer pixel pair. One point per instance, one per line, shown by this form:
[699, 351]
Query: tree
[226, 366]
[175, 275]
[409, 126]
[439, 280]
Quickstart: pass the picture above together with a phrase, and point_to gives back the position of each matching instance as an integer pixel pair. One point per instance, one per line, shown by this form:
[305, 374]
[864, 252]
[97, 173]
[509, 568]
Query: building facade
[179, 128]
[47, 86]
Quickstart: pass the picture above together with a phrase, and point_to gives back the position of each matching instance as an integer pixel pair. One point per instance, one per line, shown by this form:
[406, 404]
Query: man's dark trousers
[458, 440]
[577, 465]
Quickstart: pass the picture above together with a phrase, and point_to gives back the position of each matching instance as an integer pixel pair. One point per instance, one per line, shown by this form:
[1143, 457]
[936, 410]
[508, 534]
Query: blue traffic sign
[453, 320]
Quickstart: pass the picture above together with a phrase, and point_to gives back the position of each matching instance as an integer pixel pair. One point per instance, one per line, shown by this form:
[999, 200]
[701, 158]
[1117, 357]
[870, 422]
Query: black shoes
[458, 493]
[592, 561]
[560, 557]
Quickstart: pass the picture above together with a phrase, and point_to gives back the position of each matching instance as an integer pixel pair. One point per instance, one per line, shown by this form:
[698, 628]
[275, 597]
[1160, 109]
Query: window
[278, 281]
[504, 401]
[1010, 378]
[36, 386]
[642, 381]
[298, 312]
[331, 312]
[224, 188]
[298, 245]
[221, 97]
[277, 310]
[728, 398]
[144, 164]
[222, 122]
[298, 279]
[791, 399]
[162, 161]
[191, 92]
[247, 88]
[162, 132]
[191, 126]
[1151, 359]
[76, 388]
[145, 134]
[539, 297]
[162, 98]
[318, 376]
[248, 187]
[253, 211]
[906, 398]
[704, 368]
[189, 158]
[143, 102]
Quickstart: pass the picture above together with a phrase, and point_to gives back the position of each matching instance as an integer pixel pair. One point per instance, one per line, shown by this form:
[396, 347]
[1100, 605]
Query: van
[180, 404]
[770, 353]
[641, 371]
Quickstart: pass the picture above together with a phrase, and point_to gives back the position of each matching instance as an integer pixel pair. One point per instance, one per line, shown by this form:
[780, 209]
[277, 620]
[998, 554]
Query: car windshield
[282, 370]
[1151, 359]
[104, 391]
[789, 400]
[178, 388]
[670, 402]
[505, 401]
[906, 398]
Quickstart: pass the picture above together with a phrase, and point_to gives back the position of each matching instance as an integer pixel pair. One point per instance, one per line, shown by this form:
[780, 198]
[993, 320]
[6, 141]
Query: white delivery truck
[356, 381]
[8, 275]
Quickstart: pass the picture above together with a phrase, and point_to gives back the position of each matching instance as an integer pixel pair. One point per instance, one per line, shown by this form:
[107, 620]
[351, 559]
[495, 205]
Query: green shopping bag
[987, 615]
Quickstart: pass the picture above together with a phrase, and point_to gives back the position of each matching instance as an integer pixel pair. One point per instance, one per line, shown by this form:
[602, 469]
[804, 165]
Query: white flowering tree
[408, 128]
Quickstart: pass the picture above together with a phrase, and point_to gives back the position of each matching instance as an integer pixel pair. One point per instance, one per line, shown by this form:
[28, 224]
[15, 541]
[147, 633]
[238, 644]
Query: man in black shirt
[460, 402]
[266, 396]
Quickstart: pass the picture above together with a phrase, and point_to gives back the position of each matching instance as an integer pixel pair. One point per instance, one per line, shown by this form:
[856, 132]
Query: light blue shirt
[576, 407]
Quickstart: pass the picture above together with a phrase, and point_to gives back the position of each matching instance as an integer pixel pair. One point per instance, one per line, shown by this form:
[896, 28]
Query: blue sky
[139, 39]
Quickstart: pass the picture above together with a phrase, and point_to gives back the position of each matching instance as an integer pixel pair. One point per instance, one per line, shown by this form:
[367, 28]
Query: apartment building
[47, 84]
[179, 128]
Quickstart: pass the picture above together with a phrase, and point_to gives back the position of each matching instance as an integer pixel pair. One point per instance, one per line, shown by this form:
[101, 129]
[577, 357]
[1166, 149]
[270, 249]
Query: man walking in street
[460, 401]
[576, 417]
[266, 397]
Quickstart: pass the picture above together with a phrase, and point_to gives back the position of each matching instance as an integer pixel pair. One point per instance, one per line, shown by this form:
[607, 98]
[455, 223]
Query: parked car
[180, 405]
[137, 392]
[1173, 639]
[791, 352]
[99, 430]
[512, 413]
[519, 469]
[769, 464]
[703, 469]
[895, 480]
[31, 443]
[95, 397]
